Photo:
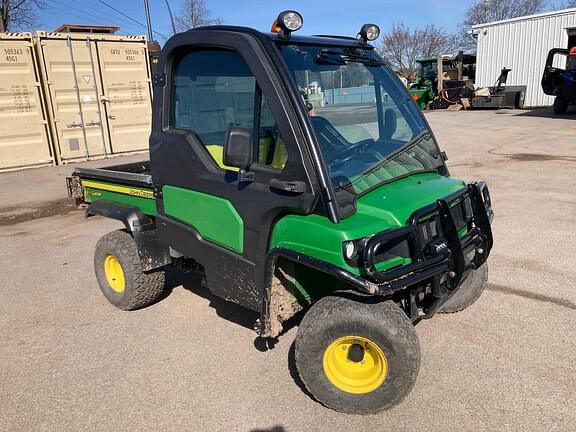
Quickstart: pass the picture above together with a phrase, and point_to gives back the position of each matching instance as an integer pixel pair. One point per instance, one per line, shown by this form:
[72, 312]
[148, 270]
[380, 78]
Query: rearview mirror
[238, 148]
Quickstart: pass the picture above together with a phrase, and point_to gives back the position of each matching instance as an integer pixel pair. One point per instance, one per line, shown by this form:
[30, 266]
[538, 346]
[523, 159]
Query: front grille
[462, 213]
[429, 232]
[401, 249]
[429, 228]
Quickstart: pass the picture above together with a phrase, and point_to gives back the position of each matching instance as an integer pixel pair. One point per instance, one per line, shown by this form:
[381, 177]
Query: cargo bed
[129, 184]
[136, 174]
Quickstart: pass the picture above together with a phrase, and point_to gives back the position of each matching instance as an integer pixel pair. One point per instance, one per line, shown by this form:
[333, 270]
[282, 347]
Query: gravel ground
[70, 361]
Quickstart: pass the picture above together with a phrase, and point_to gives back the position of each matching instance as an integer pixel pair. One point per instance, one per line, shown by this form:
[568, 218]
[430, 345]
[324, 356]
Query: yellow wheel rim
[114, 273]
[355, 364]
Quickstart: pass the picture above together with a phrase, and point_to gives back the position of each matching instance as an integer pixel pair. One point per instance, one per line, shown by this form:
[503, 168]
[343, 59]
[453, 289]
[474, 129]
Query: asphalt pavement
[71, 361]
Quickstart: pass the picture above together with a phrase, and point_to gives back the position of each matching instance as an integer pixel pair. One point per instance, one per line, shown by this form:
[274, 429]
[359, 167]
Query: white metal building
[522, 44]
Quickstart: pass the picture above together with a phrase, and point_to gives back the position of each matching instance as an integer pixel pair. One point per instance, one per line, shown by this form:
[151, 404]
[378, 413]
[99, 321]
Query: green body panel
[145, 205]
[389, 206]
[213, 217]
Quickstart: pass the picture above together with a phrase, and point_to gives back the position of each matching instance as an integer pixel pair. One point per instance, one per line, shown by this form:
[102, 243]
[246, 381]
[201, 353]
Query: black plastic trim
[114, 176]
[132, 217]
[152, 251]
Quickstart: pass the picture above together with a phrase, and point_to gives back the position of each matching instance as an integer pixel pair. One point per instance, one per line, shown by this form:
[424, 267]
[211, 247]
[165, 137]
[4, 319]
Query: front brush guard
[447, 254]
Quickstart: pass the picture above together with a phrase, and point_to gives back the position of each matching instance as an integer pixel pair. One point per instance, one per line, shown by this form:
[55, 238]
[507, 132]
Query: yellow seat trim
[217, 153]
[278, 160]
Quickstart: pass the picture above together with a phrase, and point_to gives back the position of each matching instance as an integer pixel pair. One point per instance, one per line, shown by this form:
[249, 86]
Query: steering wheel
[352, 151]
[329, 138]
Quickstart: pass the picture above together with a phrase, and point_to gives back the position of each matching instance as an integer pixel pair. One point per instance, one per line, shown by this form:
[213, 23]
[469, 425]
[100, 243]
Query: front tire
[560, 105]
[355, 357]
[119, 273]
[470, 290]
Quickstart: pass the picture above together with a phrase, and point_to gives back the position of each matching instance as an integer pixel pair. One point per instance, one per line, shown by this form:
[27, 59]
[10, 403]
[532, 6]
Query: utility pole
[148, 21]
[153, 46]
[4, 17]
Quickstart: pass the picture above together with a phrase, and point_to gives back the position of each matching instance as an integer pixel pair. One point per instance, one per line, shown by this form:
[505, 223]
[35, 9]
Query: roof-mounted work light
[287, 22]
[369, 32]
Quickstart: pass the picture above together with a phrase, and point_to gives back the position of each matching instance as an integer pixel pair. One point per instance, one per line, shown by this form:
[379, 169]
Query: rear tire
[357, 358]
[470, 290]
[560, 105]
[119, 273]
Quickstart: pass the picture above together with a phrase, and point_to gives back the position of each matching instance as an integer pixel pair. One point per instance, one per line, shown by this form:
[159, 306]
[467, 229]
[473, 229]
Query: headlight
[353, 250]
[369, 32]
[350, 250]
[291, 20]
[287, 22]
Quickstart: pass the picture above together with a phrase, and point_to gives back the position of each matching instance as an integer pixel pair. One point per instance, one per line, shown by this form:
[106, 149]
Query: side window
[271, 148]
[559, 61]
[213, 90]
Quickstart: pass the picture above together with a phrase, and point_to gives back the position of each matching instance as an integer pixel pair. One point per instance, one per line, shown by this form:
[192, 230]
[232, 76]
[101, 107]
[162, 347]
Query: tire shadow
[294, 371]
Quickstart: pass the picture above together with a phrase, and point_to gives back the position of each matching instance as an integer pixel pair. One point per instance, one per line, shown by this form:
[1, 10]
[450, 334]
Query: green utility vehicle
[337, 211]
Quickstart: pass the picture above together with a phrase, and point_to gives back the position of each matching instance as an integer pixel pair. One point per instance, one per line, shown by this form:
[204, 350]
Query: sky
[343, 17]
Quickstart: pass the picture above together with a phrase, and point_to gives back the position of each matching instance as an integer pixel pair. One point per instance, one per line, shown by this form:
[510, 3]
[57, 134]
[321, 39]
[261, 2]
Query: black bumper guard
[446, 254]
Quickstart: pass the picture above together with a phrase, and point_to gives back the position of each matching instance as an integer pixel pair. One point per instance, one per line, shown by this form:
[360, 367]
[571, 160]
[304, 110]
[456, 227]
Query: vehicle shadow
[548, 112]
[224, 309]
[272, 429]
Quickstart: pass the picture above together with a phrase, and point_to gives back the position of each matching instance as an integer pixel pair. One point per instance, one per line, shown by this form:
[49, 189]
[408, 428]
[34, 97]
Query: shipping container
[522, 44]
[98, 93]
[24, 135]
[127, 93]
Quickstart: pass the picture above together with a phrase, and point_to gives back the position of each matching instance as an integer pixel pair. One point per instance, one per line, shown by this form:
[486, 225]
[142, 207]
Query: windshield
[368, 129]
[429, 69]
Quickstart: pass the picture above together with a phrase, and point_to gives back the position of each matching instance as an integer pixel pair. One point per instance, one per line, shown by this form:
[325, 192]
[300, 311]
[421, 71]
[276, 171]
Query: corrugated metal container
[522, 44]
[24, 137]
[125, 73]
[98, 93]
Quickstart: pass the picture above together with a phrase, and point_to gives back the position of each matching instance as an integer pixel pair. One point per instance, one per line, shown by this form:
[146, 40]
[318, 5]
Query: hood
[386, 207]
[392, 204]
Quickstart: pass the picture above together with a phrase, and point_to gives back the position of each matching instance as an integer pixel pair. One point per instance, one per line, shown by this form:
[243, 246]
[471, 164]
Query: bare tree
[571, 3]
[194, 14]
[402, 46]
[19, 14]
[484, 11]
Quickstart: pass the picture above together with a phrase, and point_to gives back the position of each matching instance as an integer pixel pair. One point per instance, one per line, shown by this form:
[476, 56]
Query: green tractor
[455, 70]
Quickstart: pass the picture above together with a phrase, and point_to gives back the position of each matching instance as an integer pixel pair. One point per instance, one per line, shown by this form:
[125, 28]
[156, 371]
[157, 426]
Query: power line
[100, 15]
[129, 17]
[85, 15]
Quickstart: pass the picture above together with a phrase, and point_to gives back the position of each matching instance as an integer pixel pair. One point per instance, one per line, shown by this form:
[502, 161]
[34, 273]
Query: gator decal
[126, 190]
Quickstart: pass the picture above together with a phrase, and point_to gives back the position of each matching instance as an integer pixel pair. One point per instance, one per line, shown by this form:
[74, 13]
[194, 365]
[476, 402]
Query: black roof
[342, 41]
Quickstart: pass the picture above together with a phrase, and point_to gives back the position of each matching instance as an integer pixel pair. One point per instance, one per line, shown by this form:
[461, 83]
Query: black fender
[153, 252]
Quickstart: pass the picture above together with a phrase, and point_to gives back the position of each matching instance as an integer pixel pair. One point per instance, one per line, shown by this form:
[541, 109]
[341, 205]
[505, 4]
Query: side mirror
[238, 148]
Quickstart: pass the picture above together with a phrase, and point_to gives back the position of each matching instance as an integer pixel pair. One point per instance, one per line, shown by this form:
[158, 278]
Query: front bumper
[439, 262]
[445, 257]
